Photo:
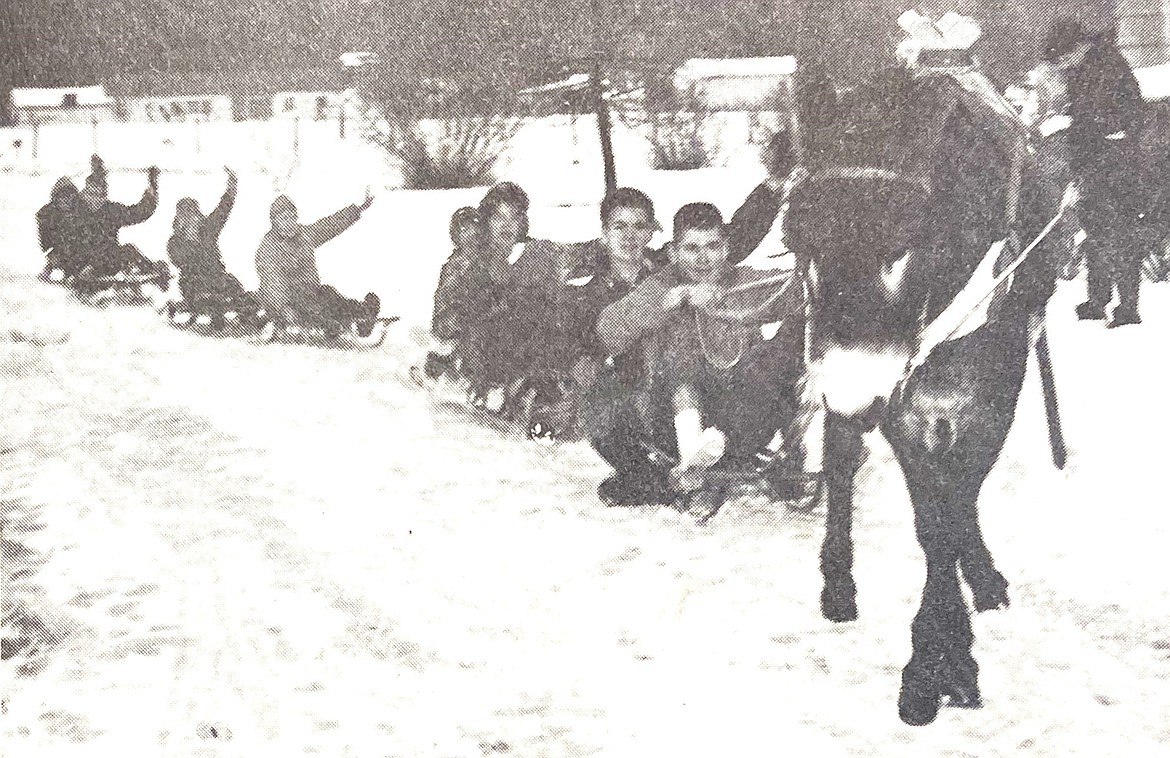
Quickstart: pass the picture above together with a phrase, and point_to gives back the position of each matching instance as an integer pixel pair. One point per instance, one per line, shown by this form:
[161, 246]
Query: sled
[334, 337]
[119, 289]
[719, 484]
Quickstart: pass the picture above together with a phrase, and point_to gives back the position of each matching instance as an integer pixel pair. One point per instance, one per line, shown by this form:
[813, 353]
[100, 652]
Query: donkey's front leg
[842, 459]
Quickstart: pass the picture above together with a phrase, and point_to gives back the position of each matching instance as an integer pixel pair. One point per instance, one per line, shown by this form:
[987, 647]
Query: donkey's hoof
[920, 699]
[992, 594]
[839, 606]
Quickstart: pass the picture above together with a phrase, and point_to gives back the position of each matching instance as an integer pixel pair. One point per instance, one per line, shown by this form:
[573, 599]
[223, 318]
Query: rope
[920, 357]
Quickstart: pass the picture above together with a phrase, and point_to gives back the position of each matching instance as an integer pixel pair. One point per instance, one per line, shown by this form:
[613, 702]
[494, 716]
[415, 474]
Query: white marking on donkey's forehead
[851, 379]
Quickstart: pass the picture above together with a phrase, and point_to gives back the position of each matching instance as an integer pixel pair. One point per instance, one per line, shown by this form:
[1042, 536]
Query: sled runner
[329, 335]
[223, 320]
[721, 483]
[119, 289]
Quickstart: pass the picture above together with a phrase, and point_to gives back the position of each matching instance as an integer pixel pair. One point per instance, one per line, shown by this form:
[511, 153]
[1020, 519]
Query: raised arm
[218, 217]
[129, 215]
[320, 232]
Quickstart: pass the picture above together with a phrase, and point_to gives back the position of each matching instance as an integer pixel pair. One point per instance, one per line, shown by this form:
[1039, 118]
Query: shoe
[267, 332]
[436, 365]
[1124, 317]
[372, 306]
[1090, 311]
[630, 490]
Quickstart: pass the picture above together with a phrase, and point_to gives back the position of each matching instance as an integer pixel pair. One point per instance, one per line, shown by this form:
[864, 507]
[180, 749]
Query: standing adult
[1105, 107]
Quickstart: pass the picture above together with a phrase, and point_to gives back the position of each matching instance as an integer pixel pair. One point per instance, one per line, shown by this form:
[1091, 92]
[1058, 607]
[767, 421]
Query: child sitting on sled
[447, 319]
[719, 391]
[194, 248]
[95, 227]
[290, 286]
[55, 221]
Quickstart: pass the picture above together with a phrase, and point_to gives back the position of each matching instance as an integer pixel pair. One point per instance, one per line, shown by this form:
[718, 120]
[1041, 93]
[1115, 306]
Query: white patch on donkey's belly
[851, 379]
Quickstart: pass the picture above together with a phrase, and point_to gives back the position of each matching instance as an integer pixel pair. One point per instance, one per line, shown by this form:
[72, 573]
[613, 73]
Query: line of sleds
[540, 410]
[213, 315]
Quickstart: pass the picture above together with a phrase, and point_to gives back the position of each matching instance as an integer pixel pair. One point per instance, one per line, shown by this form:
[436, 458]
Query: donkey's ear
[816, 99]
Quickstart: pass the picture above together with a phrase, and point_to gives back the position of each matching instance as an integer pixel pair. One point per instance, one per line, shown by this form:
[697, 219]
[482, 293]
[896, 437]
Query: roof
[697, 69]
[237, 82]
[54, 97]
[1154, 81]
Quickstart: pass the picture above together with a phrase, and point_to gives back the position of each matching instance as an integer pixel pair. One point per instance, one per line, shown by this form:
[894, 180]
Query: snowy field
[232, 550]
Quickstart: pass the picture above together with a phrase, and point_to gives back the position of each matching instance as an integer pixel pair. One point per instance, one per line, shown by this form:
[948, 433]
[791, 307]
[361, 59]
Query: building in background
[61, 105]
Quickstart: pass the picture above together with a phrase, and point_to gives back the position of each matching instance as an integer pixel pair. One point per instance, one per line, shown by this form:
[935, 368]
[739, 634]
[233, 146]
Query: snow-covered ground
[232, 550]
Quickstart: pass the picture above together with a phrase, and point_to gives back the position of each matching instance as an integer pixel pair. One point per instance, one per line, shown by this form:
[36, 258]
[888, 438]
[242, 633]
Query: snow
[246, 551]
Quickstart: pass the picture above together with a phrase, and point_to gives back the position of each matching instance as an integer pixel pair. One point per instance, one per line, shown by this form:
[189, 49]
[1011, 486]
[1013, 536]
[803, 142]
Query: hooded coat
[201, 267]
[54, 222]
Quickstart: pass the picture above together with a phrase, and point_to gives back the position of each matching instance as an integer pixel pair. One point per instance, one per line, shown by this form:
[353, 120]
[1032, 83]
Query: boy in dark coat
[448, 318]
[290, 286]
[98, 221]
[55, 221]
[194, 249]
[1106, 109]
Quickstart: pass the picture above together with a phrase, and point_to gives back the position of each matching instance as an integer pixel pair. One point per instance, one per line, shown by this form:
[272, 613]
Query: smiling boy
[718, 388]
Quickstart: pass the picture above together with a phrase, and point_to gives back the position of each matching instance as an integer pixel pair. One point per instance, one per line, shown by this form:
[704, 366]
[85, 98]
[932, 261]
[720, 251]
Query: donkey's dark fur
[936, 200]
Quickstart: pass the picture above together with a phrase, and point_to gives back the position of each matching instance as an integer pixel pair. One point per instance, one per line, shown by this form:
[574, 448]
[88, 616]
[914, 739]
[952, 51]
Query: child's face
[701, 255]
[503, 226]
[627, 233]
[285, 223]
[187, 224]
[465, 235]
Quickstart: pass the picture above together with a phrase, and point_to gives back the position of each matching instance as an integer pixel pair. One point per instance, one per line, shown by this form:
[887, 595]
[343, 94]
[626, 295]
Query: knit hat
[1063, 38]
[63, 188]
[186, 206]
[465, 215]
[282, 204]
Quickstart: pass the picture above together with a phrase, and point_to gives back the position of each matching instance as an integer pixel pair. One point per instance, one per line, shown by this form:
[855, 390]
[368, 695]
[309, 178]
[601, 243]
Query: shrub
[444, 134]
[677, 141]
[456, 152]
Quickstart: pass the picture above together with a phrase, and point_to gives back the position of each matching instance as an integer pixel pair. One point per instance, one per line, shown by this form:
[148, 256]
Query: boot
[371, 307]
[1124, 315]
[1090, 311]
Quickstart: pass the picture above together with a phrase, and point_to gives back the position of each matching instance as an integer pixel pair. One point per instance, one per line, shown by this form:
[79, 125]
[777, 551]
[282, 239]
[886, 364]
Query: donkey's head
[905, 195]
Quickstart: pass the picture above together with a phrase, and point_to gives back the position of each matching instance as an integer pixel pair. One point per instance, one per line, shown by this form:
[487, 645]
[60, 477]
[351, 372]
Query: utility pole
[597, 94]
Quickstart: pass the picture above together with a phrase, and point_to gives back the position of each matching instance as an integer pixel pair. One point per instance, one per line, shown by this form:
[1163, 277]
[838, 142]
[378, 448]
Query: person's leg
[1096, 216]
[1128, 275]
[617, 430]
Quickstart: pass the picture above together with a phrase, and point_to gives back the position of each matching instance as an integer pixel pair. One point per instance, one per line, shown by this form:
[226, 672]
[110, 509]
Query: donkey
[919, 185]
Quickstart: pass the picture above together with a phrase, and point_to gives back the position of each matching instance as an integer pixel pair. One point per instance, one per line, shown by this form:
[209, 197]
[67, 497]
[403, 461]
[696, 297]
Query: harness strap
[872, 173]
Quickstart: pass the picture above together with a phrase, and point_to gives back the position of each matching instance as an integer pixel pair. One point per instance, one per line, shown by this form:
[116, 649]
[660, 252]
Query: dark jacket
[96, 230]
[446, 316]
[1104, 99]
[201, 258]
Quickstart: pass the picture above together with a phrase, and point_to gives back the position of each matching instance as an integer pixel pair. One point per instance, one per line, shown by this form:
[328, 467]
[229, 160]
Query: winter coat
[200, 260]
[95, 230]
[1104, 100]
[287, 266]
[446, 316]
[685, 338]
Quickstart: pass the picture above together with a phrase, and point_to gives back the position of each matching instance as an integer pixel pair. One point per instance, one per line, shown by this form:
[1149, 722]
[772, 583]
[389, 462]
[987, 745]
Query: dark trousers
[328, 309]
[1109, 213]
[760, 396]
[120, 259]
